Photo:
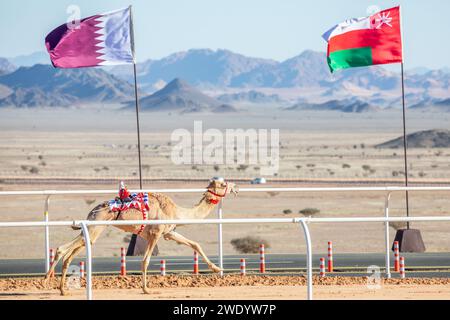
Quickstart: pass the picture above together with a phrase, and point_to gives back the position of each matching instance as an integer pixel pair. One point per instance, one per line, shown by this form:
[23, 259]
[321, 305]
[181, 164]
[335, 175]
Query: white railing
[302, 221]
[387, 190]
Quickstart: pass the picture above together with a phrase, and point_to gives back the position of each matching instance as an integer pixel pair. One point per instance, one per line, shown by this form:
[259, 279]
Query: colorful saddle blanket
[124, 202]
[137, 201]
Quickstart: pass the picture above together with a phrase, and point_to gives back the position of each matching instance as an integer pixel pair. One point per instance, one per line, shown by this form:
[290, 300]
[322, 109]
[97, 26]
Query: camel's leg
[61, 252]
[94, 233]
[152, 239]
[194, 245]
[66, 263]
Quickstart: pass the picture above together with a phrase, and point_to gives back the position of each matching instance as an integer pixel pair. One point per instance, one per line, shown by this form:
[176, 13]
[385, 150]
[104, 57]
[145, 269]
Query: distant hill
[179, 96]
[28, 60]
[43, 85]
[251, 96]
[209, 69]
[336, 105]
[420, 139]
[6, 66]
[433, 106]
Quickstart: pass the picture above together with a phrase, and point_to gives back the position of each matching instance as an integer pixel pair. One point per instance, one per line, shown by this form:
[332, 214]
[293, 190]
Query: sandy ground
[233, 288]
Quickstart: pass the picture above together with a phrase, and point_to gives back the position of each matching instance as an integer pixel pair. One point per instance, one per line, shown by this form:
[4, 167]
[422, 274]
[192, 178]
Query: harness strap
[144, 217]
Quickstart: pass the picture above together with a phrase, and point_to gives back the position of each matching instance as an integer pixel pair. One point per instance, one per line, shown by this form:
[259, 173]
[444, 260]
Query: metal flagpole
[132, 244]
[136, 100]
[405, 143]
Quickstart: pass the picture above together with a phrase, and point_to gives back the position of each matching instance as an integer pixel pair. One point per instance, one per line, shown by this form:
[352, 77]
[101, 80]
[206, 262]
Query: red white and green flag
[366, 41]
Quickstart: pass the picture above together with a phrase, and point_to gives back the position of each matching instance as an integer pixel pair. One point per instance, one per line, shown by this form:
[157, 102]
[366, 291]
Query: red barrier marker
[195, 262]
[52, 260]
[262, 259]
[82, 269]
[330, 256]
[163, 267]
[396, 257]
[402, 268]
[123, 263]
[243, 271]
[322, 267]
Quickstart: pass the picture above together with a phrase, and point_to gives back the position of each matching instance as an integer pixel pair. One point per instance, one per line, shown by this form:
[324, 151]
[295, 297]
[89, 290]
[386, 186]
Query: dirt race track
[231, 287]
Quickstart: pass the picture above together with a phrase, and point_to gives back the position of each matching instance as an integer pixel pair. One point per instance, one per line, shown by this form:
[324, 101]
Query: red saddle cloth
[126, 201]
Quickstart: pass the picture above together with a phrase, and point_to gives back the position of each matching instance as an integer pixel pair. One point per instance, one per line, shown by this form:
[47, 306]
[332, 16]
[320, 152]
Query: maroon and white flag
[100, 40]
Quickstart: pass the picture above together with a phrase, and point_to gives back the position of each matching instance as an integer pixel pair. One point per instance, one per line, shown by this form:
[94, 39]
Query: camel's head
[219, 188]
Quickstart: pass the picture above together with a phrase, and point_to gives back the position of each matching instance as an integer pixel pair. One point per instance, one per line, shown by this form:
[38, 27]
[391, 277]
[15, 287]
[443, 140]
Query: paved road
[426, 264]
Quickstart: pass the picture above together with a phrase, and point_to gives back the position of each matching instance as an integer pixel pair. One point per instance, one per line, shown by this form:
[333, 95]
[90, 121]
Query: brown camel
[161, 207]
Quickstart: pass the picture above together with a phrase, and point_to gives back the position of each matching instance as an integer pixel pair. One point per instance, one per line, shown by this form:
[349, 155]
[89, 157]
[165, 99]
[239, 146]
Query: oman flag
[366, 41]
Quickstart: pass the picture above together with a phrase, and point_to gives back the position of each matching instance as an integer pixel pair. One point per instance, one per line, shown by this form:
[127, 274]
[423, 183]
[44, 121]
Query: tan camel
[161, 207]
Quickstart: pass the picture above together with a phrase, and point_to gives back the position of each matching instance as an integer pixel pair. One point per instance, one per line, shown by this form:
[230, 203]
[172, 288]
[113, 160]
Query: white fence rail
[302, 221]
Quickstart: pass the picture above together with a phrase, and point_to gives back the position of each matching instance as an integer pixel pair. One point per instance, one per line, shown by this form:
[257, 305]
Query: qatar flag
[100, 40]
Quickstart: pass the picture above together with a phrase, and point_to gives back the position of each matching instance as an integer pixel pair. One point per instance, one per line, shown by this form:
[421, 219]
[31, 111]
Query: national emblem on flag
[100, 40]
[372, 40]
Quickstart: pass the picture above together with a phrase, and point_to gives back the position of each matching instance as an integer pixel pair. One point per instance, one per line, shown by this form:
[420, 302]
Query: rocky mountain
[421, 139]
[336, 105]
[208, 69]
[251, 96]
[433, 106]
[6, 66]
[43, 85]
[28, 60]
[180, 96]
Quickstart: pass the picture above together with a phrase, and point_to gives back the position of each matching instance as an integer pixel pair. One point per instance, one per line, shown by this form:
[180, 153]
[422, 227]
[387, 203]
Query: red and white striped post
[330, 256]
[163, 267]
[195, 262]
[262, 259]
[52, 260]
[396, 257]
[81, 269]
[123, 262]
[243, 271]
[402, 268]
[322, 267]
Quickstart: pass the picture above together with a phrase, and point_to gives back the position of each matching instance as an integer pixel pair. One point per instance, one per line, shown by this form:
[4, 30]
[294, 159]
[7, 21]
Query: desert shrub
[287, 211]
[40, 157]
[273, 193]
[34, 170]
[216, 168]
[395, 173]
[242, 167]
[366, 167]
[249, 244]
[89, 201]
[309, 211]
[346, 166]
[24, 168]
[310, 165]
[298, 167]
[127, 238]
[397, 225]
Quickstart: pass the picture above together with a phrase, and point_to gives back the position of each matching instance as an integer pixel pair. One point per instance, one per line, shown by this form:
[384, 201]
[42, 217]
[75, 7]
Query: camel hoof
[215, 268]
[146, 290]
[65, 293]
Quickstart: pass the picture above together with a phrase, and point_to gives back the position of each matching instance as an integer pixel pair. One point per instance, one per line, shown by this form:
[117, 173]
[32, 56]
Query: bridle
[216, 201]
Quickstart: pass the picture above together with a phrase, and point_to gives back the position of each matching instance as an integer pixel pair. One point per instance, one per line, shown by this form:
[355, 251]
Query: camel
[161, 207]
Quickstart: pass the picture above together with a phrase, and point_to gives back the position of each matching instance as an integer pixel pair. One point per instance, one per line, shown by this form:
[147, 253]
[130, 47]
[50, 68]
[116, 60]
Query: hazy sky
[277, 29]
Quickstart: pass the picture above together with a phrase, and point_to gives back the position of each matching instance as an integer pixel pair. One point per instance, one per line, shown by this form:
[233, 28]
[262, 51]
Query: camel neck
[199, 211]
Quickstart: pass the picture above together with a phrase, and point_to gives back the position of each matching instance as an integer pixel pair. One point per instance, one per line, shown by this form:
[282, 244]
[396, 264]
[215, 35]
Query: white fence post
[386, 236]
[309, 276]
[87, 243]
[219, 216]
[47, 235]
